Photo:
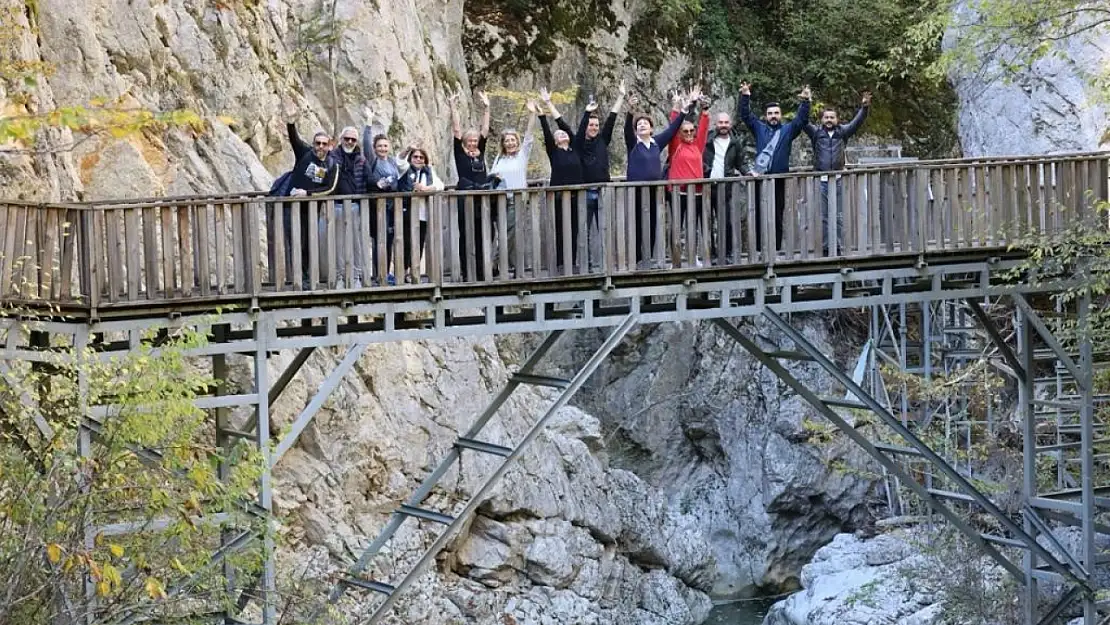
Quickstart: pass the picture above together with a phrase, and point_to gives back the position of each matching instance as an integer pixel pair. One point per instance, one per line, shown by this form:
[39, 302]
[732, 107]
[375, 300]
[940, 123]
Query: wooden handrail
[242, 247]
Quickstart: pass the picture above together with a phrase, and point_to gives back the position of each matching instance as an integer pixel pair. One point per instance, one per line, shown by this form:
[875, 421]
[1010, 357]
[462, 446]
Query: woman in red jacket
[684, 155]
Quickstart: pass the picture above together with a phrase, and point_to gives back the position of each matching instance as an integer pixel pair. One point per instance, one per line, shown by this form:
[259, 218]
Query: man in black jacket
[724, 157]
[829, 140]
[315, 173]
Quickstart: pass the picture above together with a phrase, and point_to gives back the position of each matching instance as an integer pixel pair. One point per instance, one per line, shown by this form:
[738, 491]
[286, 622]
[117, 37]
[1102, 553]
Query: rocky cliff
[1053, 107]
[684, 472]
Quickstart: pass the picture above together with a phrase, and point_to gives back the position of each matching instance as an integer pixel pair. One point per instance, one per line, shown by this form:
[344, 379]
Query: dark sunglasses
[350, 140]
[688, 132]
[419, 156]
[323, 143]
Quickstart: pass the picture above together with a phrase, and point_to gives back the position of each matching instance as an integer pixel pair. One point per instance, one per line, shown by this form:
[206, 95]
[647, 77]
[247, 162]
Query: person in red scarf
[685, 154]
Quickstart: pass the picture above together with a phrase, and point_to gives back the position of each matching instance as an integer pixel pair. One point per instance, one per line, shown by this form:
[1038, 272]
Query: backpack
[282, 185]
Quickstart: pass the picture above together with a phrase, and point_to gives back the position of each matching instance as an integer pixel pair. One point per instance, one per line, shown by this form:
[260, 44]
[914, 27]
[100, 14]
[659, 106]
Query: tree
[105, 514]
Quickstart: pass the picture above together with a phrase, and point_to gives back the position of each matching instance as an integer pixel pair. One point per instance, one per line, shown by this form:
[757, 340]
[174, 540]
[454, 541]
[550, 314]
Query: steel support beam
[313, 407]
[1087, 437]
[484, 492]
[1018, 367]
[814, 400]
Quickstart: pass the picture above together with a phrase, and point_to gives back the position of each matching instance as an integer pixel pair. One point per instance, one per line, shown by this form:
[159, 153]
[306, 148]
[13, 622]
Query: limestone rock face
[690, 412]
[682, 470]
[857, 582]
[1051, 108]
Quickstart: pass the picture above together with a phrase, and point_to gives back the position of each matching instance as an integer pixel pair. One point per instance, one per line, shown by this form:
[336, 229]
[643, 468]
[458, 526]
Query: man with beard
[828, 141]
[772, 146]
[315, 173]
[724, 157]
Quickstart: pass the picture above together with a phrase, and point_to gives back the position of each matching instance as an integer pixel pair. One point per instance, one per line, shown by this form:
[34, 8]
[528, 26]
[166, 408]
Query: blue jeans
[825, 215]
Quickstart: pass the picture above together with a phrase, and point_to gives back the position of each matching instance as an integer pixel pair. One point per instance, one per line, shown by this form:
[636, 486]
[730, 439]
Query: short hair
[829, 110]
[594, 115]
[472, 133]
[351, 129]
[321, 133]
[636, 122]
[379, 137]
[427, 159]
[771, 105]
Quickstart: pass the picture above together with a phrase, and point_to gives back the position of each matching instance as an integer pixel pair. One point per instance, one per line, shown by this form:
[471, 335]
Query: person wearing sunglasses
[644, 165]
[316, 173]
[685, 156]
[419, 178]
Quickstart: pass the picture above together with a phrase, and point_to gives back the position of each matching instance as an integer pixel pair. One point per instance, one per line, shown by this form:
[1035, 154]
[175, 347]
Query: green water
[747, 612]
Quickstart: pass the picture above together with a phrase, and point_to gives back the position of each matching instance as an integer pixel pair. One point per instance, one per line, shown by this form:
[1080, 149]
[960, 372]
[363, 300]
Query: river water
[746, 612]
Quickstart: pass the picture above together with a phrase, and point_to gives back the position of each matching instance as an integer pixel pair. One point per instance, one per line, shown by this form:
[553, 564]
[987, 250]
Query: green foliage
[972, 592]
[526, 35]
[150, 465]
[840, 49]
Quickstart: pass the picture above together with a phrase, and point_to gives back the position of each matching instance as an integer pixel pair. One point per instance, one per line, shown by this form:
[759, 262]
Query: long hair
[509, 132]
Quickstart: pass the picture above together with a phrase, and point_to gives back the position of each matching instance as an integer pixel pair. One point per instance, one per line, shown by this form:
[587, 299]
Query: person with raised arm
[315, 174]
[772, 145]
[510, 172]
[566, 170]
[644, 165]
[592, 143]
[829, 140]
[420, 178]
[469, 150]
[685, 156]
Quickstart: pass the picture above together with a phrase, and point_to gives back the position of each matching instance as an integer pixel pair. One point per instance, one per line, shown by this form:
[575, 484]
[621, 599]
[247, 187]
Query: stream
[743, 612]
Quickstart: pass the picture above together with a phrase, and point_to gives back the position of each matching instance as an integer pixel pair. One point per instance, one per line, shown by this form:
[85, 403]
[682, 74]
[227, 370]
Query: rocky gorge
[682, 473]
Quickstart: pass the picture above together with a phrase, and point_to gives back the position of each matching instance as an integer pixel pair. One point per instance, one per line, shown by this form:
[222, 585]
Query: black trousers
[479, 243]
[780, 208]
[406, 238]
[645, 210]
[561, 227]
[721, 221]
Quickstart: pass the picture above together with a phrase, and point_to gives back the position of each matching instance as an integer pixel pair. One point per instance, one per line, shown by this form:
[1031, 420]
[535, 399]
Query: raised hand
[484, 98]
[633, 101]
[622, 88]
[532, 107]
[806, 93]
[453, 99]
[694, 94]
[591, 106]
[368, 114]
[746, 88]
[545, 95]
[676, 99]
[866, 100]
[290, 110]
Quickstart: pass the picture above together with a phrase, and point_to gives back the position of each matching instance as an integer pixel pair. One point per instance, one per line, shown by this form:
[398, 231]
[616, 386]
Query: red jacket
[686, 158]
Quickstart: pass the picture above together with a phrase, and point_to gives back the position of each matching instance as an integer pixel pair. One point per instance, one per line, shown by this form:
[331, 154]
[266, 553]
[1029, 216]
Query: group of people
[686, 149]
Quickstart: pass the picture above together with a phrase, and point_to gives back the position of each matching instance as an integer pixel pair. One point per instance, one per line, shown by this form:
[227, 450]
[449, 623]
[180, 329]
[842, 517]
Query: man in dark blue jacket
[829, 140]
[772, 146]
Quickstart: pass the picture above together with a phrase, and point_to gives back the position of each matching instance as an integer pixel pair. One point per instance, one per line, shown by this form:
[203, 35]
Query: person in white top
[510, 171]
[724, 157]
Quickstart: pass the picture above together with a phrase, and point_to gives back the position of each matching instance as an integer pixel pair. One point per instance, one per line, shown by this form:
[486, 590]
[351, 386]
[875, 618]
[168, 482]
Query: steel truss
[1044, 556]
[946, 294]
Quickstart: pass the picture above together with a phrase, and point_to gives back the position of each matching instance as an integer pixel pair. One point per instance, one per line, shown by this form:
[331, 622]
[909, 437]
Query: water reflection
[746, 612]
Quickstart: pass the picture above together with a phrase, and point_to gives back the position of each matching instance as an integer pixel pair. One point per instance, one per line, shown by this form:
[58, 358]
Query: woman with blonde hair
[510, 172]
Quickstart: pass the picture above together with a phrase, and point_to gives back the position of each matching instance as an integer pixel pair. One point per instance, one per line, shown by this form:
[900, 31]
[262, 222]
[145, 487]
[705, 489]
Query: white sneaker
[697, 262]
[356, 282]
[339, 284]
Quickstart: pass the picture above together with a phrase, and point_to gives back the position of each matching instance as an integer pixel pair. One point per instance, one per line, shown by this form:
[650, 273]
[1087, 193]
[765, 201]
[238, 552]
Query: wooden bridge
[238, 252]
[307, 273]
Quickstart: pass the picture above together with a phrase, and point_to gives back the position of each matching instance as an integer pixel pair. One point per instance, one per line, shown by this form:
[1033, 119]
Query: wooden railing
[228, 247]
